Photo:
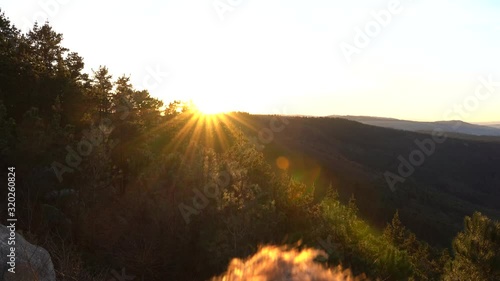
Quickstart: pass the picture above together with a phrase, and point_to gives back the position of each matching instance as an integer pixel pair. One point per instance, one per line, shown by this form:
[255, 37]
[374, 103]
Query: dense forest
[109, 177]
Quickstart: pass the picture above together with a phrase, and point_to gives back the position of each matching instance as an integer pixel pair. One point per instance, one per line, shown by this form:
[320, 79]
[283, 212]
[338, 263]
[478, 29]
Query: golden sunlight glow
[211, 107]
[280, 263]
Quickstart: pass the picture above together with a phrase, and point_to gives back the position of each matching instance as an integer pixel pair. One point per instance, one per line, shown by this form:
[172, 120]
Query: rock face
[32, 262]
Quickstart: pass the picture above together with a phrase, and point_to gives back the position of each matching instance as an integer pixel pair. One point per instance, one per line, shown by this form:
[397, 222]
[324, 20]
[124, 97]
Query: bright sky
[290, 56]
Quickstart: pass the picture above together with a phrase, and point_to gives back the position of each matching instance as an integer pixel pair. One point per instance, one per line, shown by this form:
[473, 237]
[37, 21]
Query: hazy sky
[422, 62]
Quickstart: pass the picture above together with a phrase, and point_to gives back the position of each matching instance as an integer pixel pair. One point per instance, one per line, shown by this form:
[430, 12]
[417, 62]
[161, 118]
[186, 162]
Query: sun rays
[198, 128]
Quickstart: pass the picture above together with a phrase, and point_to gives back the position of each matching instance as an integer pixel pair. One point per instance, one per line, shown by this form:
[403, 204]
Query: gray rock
[32, 262]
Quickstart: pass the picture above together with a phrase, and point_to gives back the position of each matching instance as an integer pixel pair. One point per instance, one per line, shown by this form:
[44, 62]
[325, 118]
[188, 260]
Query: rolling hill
[454, 127]
[491, 124]
[459, 178]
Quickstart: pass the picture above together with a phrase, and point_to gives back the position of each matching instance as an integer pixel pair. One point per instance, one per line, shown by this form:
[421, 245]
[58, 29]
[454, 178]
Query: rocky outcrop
[31, 261]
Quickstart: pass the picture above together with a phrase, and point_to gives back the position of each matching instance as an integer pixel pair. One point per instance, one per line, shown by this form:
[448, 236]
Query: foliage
[476, 250]
[113, 180]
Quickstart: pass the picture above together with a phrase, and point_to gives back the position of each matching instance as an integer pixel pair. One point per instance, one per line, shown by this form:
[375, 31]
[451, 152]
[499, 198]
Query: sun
[211, 107]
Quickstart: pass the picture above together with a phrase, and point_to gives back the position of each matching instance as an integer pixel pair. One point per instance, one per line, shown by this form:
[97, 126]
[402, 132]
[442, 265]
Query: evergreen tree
[476, 250]
[396, 231]
[101, 91]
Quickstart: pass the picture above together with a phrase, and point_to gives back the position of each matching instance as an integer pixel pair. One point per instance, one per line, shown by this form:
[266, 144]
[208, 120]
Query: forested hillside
[109, 178]
[459, 177]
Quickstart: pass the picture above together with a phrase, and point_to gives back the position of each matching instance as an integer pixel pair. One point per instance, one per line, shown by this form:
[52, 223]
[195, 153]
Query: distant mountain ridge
[456, 127]
[491, 124]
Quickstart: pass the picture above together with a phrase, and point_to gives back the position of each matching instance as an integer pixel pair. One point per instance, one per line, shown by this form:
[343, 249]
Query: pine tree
[477, 251]
[101, 91]
[352, 205]
[396, 231]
